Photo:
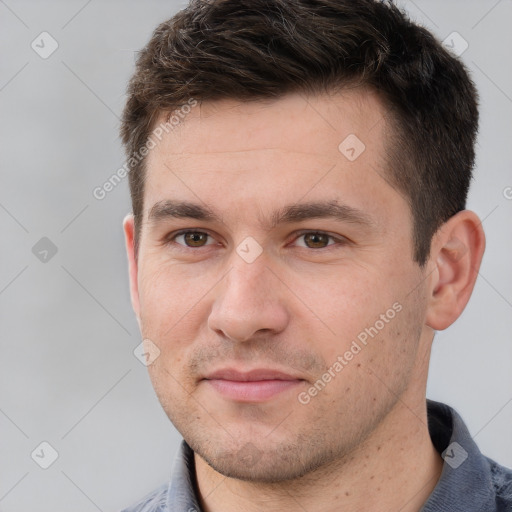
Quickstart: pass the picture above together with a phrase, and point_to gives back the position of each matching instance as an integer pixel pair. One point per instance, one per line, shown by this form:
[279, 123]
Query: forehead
[293, 122]
[236, 153]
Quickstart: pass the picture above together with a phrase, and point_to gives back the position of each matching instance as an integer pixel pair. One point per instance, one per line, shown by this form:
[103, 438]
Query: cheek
[344, 304]
[369, 321]
[172, 299]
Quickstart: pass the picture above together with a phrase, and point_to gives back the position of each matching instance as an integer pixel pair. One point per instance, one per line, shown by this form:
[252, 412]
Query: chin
[251, 464]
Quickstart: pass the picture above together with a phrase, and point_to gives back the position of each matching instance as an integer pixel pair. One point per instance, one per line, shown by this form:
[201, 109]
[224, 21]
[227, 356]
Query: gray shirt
[469, 482]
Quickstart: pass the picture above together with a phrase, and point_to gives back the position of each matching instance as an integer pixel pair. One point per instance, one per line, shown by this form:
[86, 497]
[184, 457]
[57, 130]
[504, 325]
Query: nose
[250, 301]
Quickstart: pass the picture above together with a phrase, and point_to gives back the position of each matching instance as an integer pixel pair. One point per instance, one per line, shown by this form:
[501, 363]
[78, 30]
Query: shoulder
[155, 501]
[501, 478]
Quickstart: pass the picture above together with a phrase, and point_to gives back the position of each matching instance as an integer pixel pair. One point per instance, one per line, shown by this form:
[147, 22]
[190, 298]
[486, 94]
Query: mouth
[258, 385]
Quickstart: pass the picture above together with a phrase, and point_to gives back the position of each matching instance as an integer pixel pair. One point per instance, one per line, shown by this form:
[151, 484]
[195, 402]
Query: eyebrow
[297, 212]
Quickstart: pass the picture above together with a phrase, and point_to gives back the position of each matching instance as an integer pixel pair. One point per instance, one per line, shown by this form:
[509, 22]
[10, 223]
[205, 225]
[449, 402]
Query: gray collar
[469, 481]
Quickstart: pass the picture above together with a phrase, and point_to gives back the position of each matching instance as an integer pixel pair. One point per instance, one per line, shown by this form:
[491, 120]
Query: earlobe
[129, 236]
[456, 254]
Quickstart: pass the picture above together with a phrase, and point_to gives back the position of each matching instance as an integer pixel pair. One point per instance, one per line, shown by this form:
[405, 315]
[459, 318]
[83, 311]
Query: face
[275, 277]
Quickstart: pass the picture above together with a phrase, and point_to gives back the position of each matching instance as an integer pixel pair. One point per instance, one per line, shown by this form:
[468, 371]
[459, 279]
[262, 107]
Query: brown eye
[316, 240]
[191, 239]
[195, 238]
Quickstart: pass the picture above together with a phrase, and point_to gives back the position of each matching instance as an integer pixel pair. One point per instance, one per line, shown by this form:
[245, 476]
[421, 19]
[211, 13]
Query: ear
[129, 236]
[455, 257]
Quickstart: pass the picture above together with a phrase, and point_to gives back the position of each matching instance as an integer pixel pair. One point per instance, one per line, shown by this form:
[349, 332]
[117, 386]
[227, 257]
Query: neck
[395, 468]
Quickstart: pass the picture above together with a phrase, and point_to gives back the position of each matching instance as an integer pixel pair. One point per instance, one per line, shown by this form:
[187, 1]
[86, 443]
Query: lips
[256, 385]
[251, 375]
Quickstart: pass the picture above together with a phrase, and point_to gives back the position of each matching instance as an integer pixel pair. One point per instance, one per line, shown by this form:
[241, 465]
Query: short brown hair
[257, 49]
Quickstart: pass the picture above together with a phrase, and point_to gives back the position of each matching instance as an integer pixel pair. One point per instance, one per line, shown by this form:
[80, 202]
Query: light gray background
[68, 375]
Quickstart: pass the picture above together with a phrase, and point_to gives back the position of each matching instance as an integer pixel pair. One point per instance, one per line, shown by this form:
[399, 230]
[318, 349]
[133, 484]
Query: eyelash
[170, 239]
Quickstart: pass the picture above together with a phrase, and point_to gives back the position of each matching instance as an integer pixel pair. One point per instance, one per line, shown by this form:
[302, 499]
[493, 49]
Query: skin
[361, 442]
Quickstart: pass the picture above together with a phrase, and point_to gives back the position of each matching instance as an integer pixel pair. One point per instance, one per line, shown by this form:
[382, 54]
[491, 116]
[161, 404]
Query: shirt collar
[182, 492]
[465, 482]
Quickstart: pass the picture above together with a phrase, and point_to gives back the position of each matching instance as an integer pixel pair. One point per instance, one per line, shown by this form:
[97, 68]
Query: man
[299, 172]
